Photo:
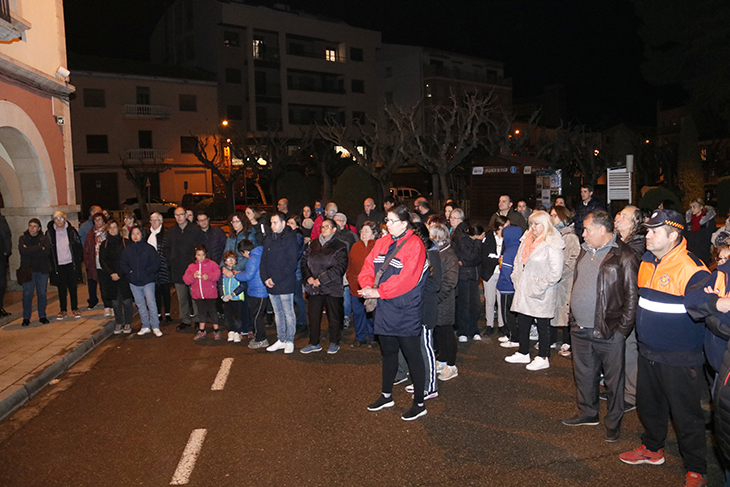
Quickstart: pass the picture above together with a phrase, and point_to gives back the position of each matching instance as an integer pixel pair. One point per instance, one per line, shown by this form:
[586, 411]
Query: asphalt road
[124, 415]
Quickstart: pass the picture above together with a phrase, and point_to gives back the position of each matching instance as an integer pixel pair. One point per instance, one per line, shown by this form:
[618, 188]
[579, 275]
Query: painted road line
[189, 456]
[220, 380]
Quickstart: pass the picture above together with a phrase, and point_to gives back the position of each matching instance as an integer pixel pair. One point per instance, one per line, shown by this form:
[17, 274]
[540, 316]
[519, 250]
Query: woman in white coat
[538, 268]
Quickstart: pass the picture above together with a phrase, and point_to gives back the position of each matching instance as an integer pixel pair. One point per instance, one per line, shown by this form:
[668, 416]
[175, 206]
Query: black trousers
[509, 317]
[162, 297]
[590, 356]
[524, 323]
[664, 390]
[445, 344]
[3, 278]
[235, 316]
[257, 309]
[67, 284]
[467, 307]
[335, 314]
[411, 348]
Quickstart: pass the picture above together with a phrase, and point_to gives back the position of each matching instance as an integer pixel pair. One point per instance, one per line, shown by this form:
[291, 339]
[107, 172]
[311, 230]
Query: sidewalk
[31, 357]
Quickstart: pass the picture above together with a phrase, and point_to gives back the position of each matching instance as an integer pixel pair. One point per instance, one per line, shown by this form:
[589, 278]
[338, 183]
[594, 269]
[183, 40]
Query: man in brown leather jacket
[602, 311]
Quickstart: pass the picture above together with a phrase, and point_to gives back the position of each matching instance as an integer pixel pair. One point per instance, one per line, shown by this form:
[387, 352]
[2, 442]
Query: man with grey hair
[603, 308]
[469, 253]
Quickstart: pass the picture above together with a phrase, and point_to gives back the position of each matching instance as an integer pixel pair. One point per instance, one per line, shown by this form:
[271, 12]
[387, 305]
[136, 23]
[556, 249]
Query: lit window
[258, 49]
[330, 55]
[703, 154]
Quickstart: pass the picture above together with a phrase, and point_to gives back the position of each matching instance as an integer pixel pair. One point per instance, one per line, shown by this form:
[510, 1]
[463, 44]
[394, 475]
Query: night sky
[592, 47]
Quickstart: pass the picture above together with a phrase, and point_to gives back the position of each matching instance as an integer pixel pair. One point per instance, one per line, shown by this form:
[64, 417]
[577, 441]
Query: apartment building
[144, 117]
[36, 167]
[279, 70]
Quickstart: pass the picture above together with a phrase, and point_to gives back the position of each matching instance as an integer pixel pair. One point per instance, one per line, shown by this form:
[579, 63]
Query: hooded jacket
[203, 288]
[279, 261]
[252, 276]
[140, 263]
[536, 282]
[511, 235]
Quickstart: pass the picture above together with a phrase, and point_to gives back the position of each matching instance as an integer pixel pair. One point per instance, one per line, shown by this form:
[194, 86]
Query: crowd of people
[630, 298]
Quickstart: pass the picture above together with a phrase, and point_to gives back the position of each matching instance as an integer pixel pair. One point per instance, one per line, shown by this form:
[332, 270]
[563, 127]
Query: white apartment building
[145, 116]
[279, 70]
[36, 166]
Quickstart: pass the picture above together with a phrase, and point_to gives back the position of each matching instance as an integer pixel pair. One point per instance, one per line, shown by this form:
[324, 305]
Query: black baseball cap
[663, 217]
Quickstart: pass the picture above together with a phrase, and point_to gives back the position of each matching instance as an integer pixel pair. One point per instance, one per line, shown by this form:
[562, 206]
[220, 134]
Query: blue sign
[513, 169]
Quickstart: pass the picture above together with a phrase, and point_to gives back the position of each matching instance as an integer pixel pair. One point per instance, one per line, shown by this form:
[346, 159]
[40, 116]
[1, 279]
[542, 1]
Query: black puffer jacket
[110, 257]
[447, 291]
[327, 263]
[468, 251]
[77, 251]
[430, 307]
[35, 252]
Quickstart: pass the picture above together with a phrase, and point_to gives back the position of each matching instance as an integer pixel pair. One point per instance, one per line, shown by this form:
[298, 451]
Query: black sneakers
[415, 412]
[382, 403]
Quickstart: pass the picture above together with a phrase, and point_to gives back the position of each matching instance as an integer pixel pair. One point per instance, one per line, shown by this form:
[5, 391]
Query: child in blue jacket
[231, 292]
[256, 295]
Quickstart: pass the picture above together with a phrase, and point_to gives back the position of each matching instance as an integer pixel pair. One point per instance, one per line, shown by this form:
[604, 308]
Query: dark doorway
[101, 189]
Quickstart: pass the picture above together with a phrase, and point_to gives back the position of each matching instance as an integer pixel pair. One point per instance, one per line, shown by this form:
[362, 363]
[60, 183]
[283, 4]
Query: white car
[159, 205]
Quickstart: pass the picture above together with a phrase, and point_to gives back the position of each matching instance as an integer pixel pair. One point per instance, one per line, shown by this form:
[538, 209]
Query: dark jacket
[375, 216]
[163, 273]
[110, 258]
[434, 277]
[179, 249]
[279, 261]
[510, 246]
[637, 243]
[35, 252]
[347, 236]
[468, 251]
[581, 212]
[6, 238]
[140, 263]
[215, 241]
[77, 251]
[327, 263]
[516, 219]
[490, 259]
[617, 293]
[721, 399]
[447, 291]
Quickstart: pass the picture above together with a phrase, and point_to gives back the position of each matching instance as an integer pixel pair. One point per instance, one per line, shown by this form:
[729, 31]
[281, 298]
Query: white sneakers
[509, 344]
[108, 312]
[477, 337]
[236, 338]
[289, 347]
[143, 331]
[463, 338]
[449, 372]
[518, 358]
[278, 345]
[231, 335]
[440, 366]
[157, 332]
[538, 363]
[503, 339]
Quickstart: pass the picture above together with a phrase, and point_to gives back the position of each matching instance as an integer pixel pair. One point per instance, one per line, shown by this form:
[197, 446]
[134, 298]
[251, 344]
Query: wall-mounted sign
[477, 170]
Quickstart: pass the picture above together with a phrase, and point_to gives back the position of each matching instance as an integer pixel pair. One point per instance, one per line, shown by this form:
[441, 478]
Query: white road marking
[220, 380]
[189, 457]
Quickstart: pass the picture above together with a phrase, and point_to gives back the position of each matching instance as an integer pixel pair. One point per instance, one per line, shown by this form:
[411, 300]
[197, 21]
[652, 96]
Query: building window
[94, 98]
[389, 97]
[233, 76]
[144, 137]
[259, 49]
[492, 73]
[143, 95]
[330, 55]
[188, 145]
[188, 103]
[357, 86]
[189, 44]
[234, 112]
[231, 39]
[356, 54]
[359, 117]
[97, 144]
[388, 71]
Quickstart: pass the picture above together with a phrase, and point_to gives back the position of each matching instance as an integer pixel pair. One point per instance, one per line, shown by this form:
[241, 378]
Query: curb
[34, 386]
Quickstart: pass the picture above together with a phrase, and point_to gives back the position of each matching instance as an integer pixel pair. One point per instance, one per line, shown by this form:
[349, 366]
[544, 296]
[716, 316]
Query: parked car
[402, 193]
[162, 206]
[191, 200]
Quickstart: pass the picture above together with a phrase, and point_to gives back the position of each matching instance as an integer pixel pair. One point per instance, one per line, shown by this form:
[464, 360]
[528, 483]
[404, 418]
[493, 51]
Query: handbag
[371, 303]
[24, 274]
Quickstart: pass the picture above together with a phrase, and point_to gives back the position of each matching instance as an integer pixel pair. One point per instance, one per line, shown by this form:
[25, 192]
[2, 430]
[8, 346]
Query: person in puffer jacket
[202, 277]
[511, 235]
[139, 264]
[256, 295]
[235, 317]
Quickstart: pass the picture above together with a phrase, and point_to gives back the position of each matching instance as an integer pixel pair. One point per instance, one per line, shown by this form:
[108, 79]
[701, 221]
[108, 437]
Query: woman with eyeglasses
[156, 237]
[538, 267]
[399, 296]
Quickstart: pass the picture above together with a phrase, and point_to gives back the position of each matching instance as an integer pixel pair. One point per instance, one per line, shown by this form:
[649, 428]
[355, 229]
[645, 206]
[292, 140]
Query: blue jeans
[363, 320]
[144, 298]
[301, 307]
[348, 303]
[286, 321]
[38, 283]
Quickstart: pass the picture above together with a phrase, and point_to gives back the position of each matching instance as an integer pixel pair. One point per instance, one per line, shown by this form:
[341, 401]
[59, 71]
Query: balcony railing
[149, 154]
[5, 10]
[268, 89]
[300, 86]
[430, 71]
[147, 111]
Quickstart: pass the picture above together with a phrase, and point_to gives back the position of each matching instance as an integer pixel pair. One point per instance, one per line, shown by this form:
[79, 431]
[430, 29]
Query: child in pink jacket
[202, 277]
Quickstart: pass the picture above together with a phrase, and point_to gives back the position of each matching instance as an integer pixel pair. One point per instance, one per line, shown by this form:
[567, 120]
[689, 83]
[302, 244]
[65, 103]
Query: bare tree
[138, 171]
[575, 149]
[385, 137]
[208, 154]
[451, 133]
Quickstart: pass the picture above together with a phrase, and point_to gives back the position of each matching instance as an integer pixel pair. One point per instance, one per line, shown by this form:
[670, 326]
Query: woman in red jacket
[202, 277]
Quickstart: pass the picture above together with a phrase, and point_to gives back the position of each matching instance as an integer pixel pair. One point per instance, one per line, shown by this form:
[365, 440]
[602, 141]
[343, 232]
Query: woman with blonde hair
[538, 267]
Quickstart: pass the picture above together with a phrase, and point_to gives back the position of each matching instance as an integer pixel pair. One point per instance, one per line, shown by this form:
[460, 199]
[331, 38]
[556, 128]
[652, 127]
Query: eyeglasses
[388, 220]
[179, 214]
[327, 226]
[233, 221]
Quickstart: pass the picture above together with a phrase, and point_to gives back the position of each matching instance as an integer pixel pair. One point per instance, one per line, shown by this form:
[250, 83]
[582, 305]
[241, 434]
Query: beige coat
[570, 255]
[536, 283]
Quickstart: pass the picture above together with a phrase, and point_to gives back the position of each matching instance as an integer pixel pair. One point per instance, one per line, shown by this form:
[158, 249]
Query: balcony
[149, 154]
[431, 71]
[12, 26]
[158, 112]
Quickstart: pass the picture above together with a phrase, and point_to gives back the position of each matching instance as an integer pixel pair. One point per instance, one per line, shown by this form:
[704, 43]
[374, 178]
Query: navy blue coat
[140, 263]
[279, 261]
